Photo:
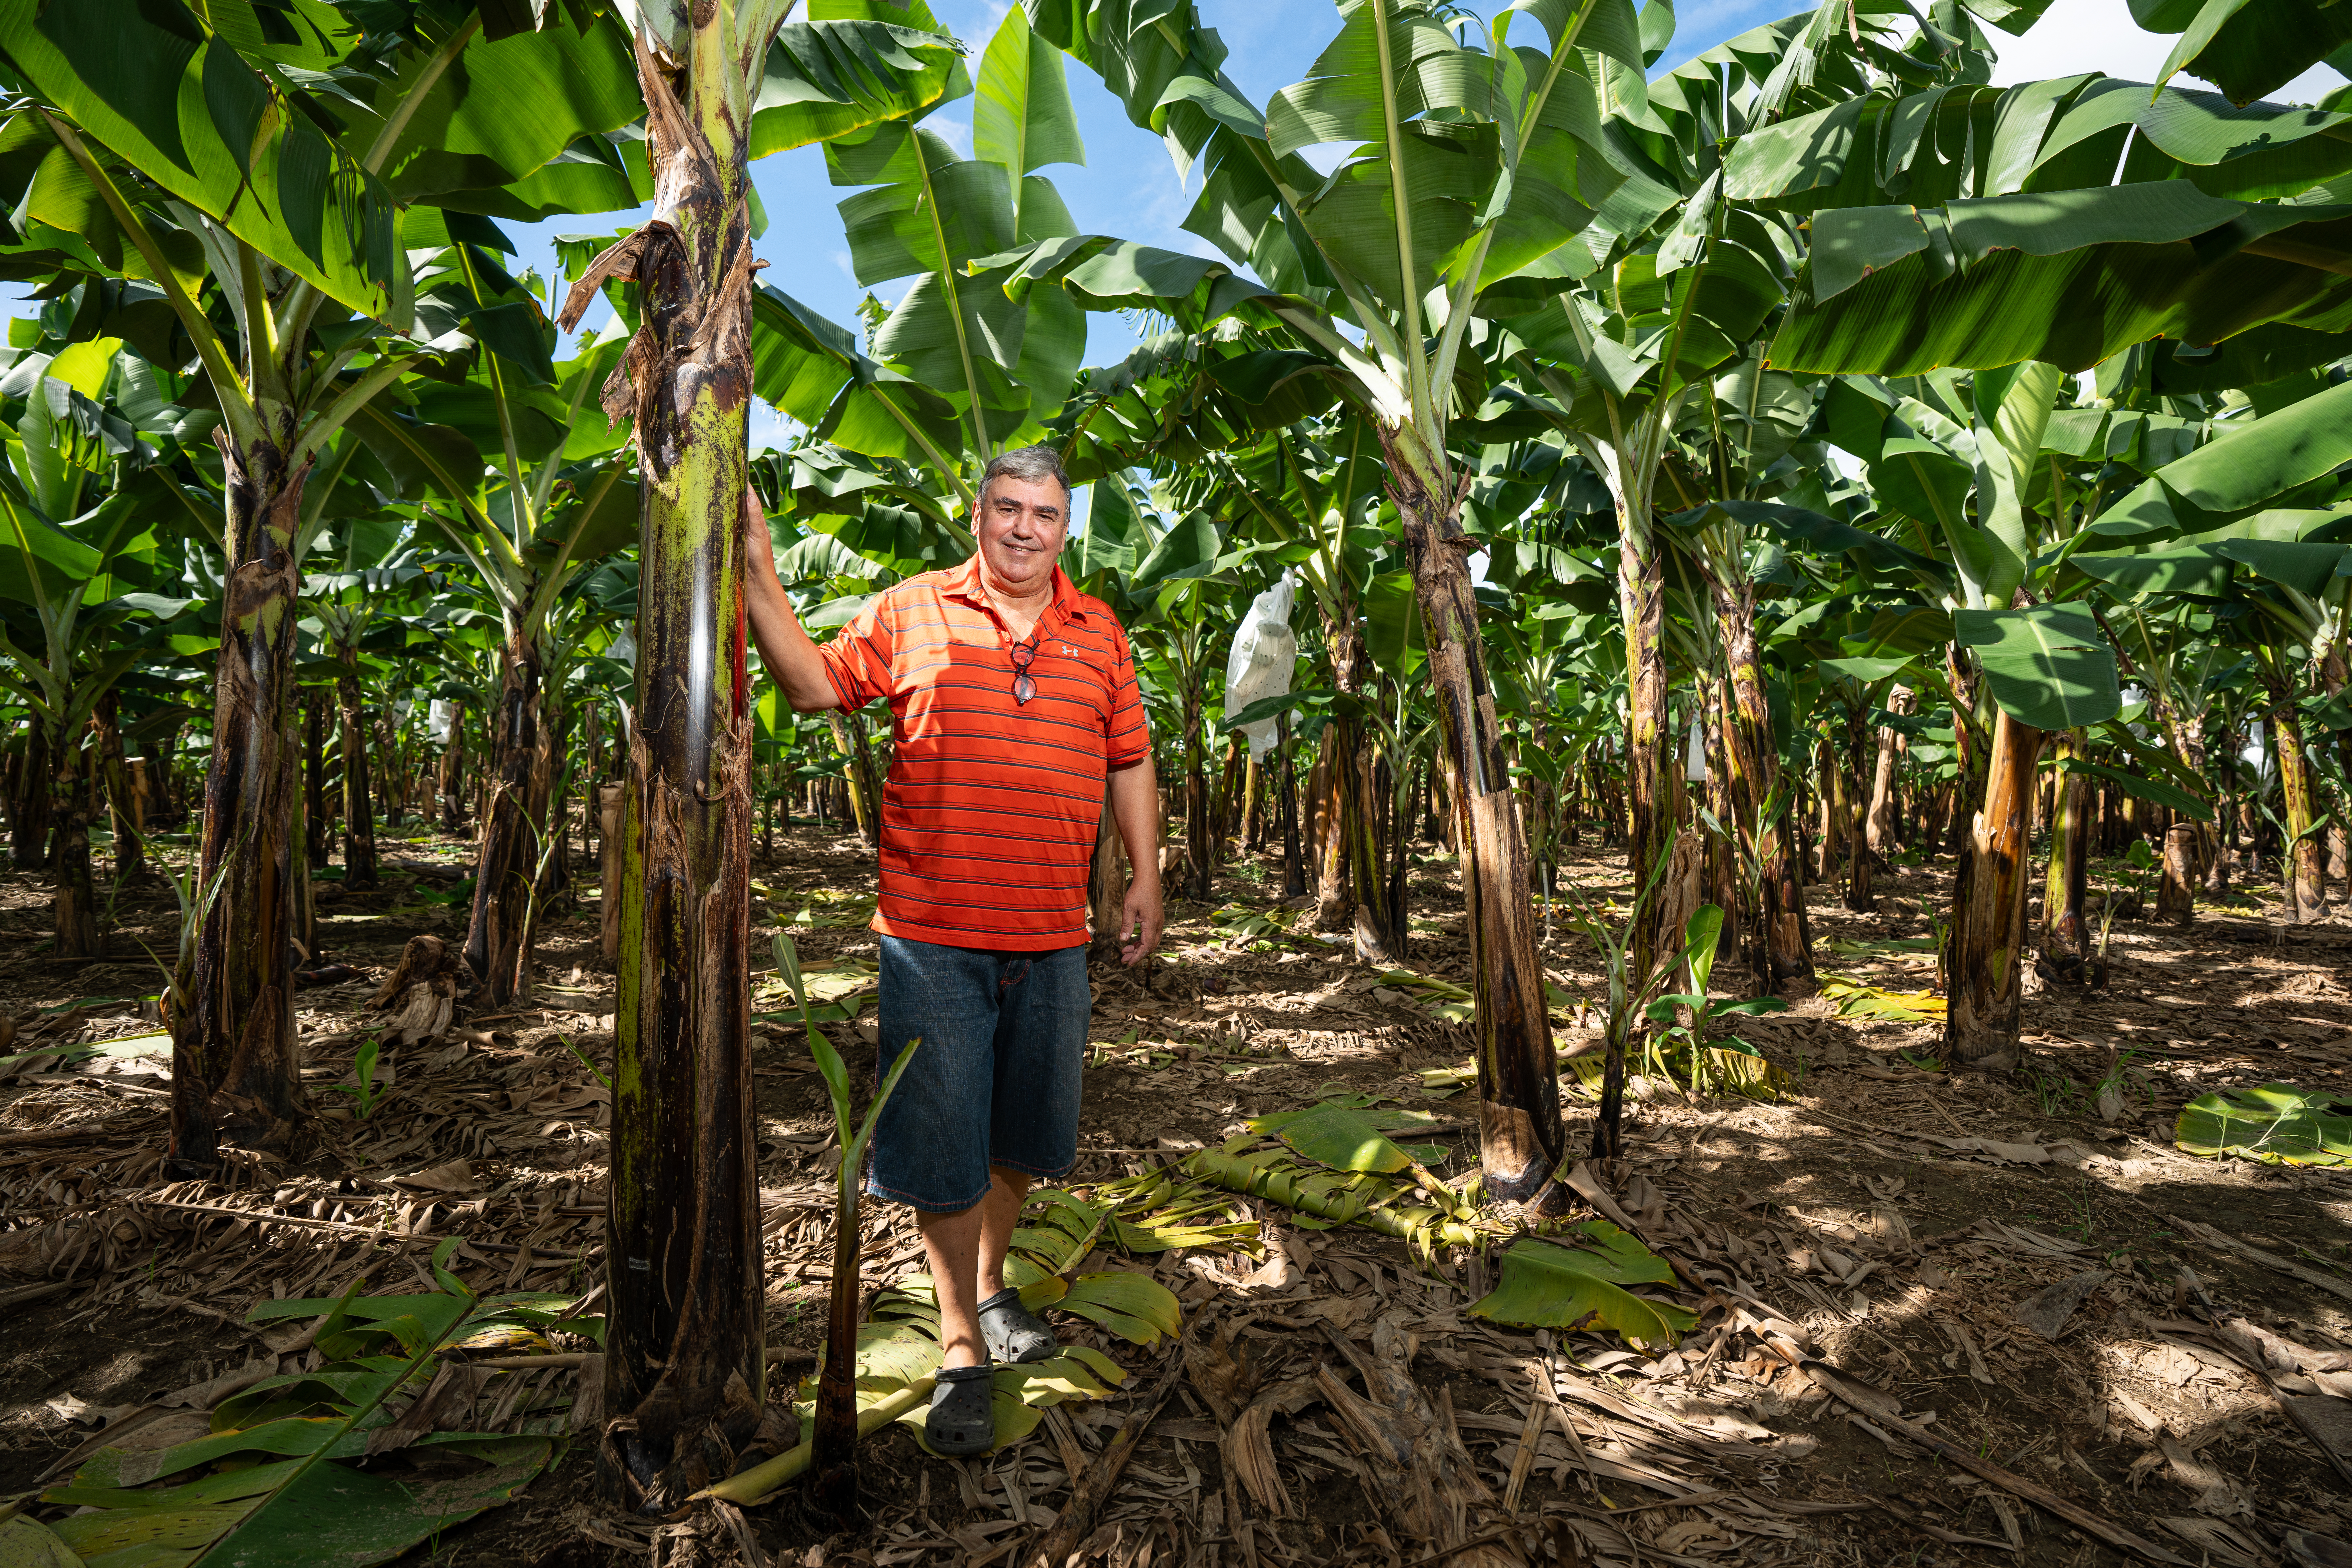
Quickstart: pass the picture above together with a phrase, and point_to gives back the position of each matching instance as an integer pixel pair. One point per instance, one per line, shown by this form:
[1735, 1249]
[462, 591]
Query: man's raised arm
[792, 660]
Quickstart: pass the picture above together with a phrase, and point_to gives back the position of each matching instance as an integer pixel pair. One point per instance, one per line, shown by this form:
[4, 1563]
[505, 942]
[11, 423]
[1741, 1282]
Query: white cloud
[2075, 36]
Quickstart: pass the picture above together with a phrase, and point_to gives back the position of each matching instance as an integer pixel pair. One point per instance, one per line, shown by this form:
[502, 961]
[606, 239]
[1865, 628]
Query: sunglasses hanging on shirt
[1023, 688]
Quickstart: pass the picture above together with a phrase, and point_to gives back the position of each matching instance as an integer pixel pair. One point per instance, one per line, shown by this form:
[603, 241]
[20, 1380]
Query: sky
[1128, 187]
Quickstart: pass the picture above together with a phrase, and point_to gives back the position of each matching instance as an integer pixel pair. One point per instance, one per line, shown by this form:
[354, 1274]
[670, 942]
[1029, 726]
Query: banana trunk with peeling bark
[683, 1380]
[2065, 936]
[1986, 962]
[498, 935]
[1783, 949]
[236, 1058]
[1521, 1140]
[30, 810]
[2307, 876]
[359, 804]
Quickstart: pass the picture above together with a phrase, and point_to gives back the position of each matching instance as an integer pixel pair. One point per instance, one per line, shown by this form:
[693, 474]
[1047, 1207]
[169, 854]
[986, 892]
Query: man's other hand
[1142, 909]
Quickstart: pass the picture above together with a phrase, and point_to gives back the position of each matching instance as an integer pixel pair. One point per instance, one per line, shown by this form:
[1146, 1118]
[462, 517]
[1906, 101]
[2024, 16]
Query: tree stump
[2176, 899]
[421, 993]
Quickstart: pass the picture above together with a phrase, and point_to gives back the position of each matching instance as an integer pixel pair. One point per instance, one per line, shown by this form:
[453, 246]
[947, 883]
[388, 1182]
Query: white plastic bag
[1264, 652]
[440, 718]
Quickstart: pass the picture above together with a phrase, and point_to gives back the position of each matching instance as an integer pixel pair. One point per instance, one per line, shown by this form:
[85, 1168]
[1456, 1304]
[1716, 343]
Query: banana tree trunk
[1650, 825]
[2065, 939]
[1521, 1140]
[498, 937]
[685, 1378]
[358, 801]
[1199, 853]
[1332, 787]
[1986, 968]
[857, 757]
[1253, 810]
[318, 826]
[121, 794]
[1880, 832]
[551, 792]
[33, 805]
[2307, 879]
[1854, 822]
[2176, 894]
[611, 830]
[73, 905]
[1294, 865]
[236, 1058]
[1233, 812]
[1763, 814]
[1379, 935]
[450, 781]
[160, 748]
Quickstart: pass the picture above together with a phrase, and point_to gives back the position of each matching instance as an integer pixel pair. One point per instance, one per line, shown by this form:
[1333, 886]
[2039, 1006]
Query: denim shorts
[996, 1076]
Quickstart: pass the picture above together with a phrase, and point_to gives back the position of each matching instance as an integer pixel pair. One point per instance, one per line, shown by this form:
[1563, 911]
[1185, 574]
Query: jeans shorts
[996, 1075]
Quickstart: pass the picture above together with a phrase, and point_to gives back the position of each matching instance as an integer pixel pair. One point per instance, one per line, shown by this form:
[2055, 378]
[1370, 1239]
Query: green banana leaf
[2250, 461]
[2069, 277]
[1546, 1285]
[2246, 48]
[2049, 666]
[2276, 1123]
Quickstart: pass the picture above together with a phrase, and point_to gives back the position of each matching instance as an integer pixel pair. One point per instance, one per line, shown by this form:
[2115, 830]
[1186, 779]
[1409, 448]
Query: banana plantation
[1748, 653]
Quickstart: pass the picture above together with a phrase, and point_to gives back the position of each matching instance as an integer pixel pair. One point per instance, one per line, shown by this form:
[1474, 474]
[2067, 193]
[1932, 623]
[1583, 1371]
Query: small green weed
[364, 1089]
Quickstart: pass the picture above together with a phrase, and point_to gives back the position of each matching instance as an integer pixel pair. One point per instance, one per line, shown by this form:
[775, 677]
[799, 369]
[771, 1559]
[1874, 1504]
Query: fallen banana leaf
[2276, 1123]
[1339, 1198]
[299, 1505]
[829, 908]
[1859, 999]
[1546, 1285]
[1338, 1136]
[29, 1543]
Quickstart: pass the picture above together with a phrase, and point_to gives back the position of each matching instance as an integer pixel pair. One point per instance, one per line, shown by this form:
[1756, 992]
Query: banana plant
[84, 489]
[835, 1437]
[554, 498]
[1701, 940]
[685, 1372]
[356, 612]
[269, 190]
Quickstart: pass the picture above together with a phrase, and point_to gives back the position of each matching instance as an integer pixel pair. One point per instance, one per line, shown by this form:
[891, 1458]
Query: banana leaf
[2277, 1123]
[1546, 1285]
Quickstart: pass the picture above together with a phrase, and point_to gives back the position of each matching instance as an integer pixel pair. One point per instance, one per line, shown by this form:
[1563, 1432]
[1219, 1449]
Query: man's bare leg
[967, 1256]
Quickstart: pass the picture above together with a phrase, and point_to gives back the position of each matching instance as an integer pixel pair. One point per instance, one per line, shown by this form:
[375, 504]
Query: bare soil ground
[1856, 1248]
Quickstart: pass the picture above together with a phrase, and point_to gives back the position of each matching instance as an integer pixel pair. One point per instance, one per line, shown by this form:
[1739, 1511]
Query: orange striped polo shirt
[990, 811]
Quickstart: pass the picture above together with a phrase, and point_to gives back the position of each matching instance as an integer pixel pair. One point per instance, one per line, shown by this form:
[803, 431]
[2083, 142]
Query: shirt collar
[1068, 602]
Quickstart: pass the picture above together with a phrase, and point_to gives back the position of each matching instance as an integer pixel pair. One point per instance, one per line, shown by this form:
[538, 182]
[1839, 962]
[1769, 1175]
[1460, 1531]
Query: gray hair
[1033, 463]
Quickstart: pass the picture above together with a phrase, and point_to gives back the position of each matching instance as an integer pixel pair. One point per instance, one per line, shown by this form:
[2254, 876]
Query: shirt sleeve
[1127, 738]
[858, 659]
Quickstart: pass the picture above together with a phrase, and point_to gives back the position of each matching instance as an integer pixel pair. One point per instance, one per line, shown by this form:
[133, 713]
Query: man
[1013, 699]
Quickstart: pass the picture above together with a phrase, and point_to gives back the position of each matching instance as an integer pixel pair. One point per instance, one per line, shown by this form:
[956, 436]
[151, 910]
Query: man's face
[1020, 526]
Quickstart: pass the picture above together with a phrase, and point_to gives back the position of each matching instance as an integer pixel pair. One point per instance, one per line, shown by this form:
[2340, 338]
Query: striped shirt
[990, 812]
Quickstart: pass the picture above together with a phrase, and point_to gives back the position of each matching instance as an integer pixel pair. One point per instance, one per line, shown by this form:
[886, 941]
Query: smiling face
[1021, 524]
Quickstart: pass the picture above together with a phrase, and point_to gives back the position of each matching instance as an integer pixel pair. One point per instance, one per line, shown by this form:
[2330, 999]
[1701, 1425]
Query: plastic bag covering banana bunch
[1265, 650]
